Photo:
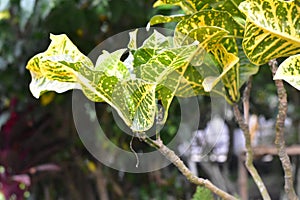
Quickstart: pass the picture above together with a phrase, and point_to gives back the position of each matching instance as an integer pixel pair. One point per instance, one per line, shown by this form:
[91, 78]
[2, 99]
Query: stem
[246, 97]
[170, 155]
[249, 154]
[279, 140]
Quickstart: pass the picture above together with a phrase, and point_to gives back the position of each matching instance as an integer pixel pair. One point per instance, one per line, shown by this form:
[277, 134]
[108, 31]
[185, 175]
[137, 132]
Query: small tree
[237, 36]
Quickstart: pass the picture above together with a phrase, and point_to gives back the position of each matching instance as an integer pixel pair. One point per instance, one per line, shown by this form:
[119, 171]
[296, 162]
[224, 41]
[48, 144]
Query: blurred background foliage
[41, 155]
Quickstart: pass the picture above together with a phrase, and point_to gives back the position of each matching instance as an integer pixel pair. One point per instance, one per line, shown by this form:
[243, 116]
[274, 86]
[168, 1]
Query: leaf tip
[208, 83]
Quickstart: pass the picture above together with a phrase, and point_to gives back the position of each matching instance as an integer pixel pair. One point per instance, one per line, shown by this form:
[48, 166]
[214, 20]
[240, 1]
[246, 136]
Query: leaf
[202, 193]
[156, 41]
[227, 61]
[231, 6]
[136, 102]
[289, 70]
[246, 71]
[218, 19]
[111, 64]
[246, 68]
[160, 65]
[132, 45]
[231, 80]
[208, 36]
[167, 69]
[193, 6]
[63, 67]
[161, 19]
[188, 6]
[272, 29]
[209, 82]
[56, 68]
[153, 44]
[189, 82]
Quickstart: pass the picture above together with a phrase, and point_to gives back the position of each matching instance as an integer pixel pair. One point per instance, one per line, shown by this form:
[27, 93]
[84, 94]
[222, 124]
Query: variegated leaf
[188, 6]
[63, 67]
[231, 80]
[111, 65]
[160, 69]
[231, 6]
[206, 35]
[56, 68]
[227, 61]
[151, 46]
[161, 19]
[132, 45]
[205, 18]
[289, 70]
[272, 29]
[136, 103]
[246, 68]
[160, 65]
[193, 6]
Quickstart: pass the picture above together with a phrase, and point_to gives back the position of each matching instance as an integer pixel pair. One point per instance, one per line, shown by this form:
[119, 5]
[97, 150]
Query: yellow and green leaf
[188, 6]
[163, 67]
[208, 18]
[111, 65]
[63, 67]
[272, 29]
[56, 69]
[227, 61]
[289, 70]
[161, 19]
[208, 36]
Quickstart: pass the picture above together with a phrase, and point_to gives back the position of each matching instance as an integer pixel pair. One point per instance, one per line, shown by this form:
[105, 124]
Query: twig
[246, 97]
[171, 156]
[279, 139]
[243, 175]
[249, 154]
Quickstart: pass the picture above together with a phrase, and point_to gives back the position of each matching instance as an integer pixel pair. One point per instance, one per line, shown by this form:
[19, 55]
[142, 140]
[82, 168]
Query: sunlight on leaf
[272, 29]
[111, 64]
[289, 70]
[161, 19]
[229, 78]
[136, 102]
[209, 18]
[63, 67]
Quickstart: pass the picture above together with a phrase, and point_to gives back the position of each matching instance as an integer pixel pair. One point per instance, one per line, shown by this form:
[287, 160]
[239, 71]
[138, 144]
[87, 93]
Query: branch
[259, 151]
[279, 139]
[171, 156]
[249, 154]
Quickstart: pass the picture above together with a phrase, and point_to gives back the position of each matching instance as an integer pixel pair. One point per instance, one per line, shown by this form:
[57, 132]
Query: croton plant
[214, 41]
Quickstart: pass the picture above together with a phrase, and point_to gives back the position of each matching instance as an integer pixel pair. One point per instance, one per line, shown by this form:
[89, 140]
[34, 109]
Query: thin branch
[259, 151]
[246, 97]
[171, 156]
[279, 140]
[249, 154]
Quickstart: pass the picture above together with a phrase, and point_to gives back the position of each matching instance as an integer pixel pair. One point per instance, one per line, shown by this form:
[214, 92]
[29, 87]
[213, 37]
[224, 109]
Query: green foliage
[165, 67]
[272, 29]
[215, 22]
[202, 194]
[160, 75]
[269, 30]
